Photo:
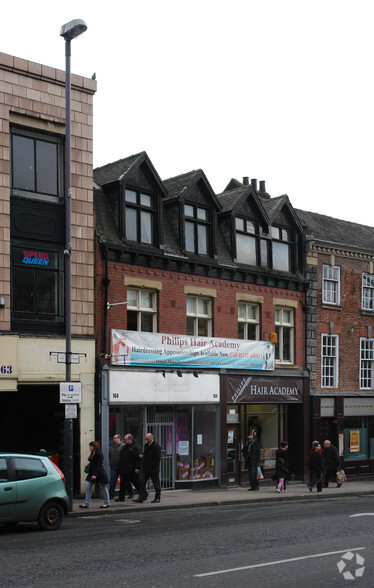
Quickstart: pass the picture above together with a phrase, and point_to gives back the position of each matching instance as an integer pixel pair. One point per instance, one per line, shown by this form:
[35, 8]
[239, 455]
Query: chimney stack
[262, 186]
[254, 184]
[246, 181]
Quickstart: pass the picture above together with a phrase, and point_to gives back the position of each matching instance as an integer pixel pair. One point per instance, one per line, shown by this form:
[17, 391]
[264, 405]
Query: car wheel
[51, 516]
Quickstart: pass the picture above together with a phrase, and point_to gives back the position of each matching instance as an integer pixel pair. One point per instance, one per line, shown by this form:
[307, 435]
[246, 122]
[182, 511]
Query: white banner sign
[134, 348]
[155, 388]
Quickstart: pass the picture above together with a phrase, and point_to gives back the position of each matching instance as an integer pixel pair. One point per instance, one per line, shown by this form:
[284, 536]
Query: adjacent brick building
[340, 337]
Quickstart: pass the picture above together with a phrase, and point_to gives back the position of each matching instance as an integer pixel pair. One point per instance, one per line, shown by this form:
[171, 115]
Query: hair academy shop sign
[134, 348]
[262, 390]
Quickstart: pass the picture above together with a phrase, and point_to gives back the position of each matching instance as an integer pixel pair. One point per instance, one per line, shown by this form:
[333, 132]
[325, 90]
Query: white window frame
[366, 364]
[196, 315]
[247, 320]
[368, 292]
[329, 361]
[139, 309]
[331, 284]
[280, 326]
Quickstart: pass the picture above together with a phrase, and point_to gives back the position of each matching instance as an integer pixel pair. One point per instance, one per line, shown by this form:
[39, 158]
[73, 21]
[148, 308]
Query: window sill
[366, 312]
[329, 306]
[285, 364]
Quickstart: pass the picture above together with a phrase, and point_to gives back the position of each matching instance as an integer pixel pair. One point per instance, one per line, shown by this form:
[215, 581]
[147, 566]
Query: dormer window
[196, 229]
[282, 241]
[140, 215]
[246, 241]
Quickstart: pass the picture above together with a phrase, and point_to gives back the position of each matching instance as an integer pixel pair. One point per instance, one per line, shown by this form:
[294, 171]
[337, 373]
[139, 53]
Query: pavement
[197, 498]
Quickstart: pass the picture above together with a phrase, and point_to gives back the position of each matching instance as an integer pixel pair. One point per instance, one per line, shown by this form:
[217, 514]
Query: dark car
[32, 488]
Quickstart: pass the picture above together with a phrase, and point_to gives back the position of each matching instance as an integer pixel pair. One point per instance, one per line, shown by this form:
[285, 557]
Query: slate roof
[333, 230]
[177, 185]
[112, 172]
[229, 199]
[106, 227]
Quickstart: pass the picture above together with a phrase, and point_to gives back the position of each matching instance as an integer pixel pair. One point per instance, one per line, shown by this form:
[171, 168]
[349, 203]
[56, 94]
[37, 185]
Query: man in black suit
[150, 469]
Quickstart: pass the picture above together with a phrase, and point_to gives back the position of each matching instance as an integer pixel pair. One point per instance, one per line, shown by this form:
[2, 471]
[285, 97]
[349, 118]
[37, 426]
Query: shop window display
[358, 438]
[196, 458]
[268, 421]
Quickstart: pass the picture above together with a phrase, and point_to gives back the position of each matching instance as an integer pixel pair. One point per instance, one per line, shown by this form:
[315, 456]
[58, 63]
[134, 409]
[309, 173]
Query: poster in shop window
[354, 440]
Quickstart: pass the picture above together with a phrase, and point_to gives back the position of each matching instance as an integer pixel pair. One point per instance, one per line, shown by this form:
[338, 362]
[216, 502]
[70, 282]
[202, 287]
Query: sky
[277, 90]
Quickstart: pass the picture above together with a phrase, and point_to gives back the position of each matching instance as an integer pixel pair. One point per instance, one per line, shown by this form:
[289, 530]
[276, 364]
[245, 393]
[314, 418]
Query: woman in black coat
[96, 474]
[281, 467]
[316, 468]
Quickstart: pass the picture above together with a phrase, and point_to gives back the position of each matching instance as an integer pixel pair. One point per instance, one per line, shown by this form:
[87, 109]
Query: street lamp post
[69, 31]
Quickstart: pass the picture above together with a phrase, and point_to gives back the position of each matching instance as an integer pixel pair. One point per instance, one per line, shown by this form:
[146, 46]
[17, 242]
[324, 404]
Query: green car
[32, 488]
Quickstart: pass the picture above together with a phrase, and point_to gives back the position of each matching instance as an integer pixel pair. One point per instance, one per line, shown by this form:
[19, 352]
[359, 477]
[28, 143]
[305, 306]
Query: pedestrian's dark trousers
[143, 479]
[126, 477]
[330, 476]
[252, 476]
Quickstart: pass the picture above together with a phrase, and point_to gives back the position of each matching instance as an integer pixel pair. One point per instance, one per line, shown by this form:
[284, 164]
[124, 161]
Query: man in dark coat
[130, 460]
[252, 455]
[150, 469]
[114, 453]
[332, 462]
[316, 468]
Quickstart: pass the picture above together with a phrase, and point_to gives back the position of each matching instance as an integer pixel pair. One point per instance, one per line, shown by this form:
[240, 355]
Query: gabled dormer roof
[180, 186]
[276, 206]
[120, 170]
[231, 200]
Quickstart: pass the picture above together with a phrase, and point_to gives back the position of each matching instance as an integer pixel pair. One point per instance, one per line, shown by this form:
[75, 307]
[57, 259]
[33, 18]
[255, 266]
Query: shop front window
[204, 464]
[268, 421]
[183, 443]
[358, 438]
[195, 430]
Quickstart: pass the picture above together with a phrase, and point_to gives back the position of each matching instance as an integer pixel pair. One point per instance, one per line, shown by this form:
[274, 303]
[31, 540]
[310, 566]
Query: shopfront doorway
[233, 453]
[164, 433]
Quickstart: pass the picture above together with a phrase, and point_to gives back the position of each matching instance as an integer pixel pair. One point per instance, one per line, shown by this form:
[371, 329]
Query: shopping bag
[340, 476]
[260, 475]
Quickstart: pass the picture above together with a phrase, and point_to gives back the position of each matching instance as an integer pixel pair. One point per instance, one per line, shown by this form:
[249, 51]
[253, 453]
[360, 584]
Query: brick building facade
[32, 241]
[340, 343]
[178, 264]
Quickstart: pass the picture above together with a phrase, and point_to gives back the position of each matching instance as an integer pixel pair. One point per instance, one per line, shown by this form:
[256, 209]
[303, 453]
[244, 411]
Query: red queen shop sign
[264, 390]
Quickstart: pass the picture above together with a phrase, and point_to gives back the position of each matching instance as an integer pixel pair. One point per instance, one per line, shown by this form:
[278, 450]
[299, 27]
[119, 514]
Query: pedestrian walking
[129, 463]
[332, 463]
[96, 474]
[281, 467]
[150, 469]
[114, 453]
[252, 456]
[316, 468]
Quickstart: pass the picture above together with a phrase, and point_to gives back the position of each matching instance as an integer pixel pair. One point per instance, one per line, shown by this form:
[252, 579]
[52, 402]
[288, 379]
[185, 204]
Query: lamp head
[73, 29]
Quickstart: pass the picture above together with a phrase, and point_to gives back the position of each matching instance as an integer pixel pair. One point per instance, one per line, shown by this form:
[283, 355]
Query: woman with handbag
[96, 474]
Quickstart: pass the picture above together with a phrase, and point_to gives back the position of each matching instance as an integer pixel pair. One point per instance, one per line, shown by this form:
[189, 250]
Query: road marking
[362, 514]
[127, 521]
[274, 563]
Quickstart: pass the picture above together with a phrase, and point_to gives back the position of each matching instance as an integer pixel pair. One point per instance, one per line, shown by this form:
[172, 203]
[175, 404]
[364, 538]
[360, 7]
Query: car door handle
[8, 488]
